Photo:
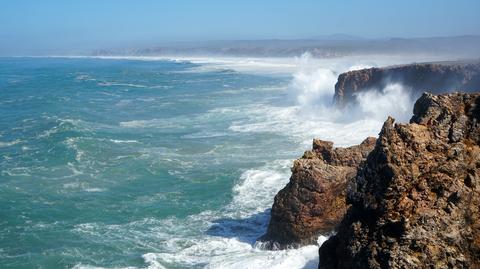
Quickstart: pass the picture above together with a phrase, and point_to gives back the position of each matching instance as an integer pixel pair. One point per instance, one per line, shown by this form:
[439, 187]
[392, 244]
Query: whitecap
[9, 144]
[118, 141]
[84, 77]
[94, 189]
[136, 123]
[172, 123]
[204, 134]
[108, 84]
[71, 142]
[18, 171]
[255, 191]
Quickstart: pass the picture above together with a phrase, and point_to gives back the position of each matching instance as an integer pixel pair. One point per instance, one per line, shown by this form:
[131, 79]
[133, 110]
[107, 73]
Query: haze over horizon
[54, 27]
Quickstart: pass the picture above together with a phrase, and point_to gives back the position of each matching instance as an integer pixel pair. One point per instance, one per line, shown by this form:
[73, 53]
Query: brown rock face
[313, 202]
[418, 78]
[416, 201]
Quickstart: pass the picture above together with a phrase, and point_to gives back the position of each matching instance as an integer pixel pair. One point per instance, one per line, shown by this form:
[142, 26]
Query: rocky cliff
[416, 201]
[313, 202]
[436, 78]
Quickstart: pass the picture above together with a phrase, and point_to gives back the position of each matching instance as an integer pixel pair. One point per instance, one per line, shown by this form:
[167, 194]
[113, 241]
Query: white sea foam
[108, 84]
[18, 171]
[161, 123]
[314, 115]
[257, 187]
[311, 85]
[118, 141]
[394, 100]
[153, 123]
[84, 77]
[303, 126]
[83, 266]
[223, 238]
[232, 231]
[204, 134]
[314, 87]
[72, 143]
[279, 65]
[231, 254]
[95, 189]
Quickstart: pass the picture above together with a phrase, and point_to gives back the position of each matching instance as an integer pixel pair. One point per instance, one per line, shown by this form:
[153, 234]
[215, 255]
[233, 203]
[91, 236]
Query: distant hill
[322, 47]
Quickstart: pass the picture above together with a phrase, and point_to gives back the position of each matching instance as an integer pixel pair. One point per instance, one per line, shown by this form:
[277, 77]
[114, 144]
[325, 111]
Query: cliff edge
[416, 201]
[313, 202]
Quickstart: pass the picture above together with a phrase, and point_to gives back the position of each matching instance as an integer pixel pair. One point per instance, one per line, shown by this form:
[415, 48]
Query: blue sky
[35, 26]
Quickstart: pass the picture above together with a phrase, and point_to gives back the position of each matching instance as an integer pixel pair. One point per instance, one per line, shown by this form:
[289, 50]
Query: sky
[69, 26]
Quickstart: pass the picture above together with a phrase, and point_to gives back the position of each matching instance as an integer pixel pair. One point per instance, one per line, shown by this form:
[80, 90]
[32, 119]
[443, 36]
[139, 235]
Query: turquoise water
[104, 161]
[154, 163]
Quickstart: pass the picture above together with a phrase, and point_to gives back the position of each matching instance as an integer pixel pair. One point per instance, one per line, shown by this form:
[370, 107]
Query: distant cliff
[436, 78]
[416, 201]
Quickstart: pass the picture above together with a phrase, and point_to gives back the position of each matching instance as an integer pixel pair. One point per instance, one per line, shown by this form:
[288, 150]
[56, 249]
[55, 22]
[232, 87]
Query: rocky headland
[415, 203]
[437, 78]
[409, 199]
[314, 201]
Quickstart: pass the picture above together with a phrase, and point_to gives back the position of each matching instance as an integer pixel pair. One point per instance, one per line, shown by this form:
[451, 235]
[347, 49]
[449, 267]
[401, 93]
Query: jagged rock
[313, 202]
[434, 77]
[415, 203]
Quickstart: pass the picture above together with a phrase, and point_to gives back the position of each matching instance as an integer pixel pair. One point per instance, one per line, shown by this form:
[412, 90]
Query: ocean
[163, 162]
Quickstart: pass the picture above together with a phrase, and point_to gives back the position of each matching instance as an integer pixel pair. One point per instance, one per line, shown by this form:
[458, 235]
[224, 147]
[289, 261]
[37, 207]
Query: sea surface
[161, 163]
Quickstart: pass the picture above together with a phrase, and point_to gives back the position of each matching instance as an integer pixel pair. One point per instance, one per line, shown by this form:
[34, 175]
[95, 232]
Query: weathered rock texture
[417, 78]
[313, 202]
[415, 203]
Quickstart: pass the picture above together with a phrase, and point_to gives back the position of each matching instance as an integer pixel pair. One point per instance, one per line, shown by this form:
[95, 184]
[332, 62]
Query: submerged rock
[416, 201]
[438, 78]
[313, 202]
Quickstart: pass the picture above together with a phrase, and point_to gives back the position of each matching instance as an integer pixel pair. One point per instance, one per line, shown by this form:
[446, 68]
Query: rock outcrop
[415, 203]
[437, 78]
[313, 202]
